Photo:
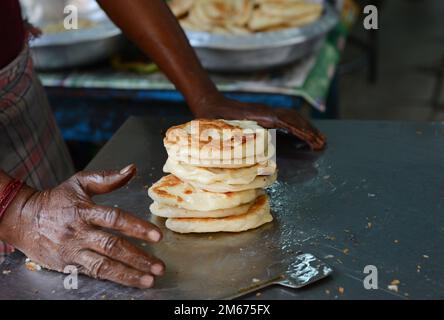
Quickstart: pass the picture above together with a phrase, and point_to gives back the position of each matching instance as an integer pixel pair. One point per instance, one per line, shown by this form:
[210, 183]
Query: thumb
[99, 182]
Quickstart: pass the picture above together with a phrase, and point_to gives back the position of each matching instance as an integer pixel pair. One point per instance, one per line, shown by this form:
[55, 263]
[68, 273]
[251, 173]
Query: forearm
[154, 29]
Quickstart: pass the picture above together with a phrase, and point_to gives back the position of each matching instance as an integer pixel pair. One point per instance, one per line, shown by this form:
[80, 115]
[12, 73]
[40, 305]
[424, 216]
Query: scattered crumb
[396, 241]
[32, 266]
[258, 294]
[369, 225]
[341, 290]
[255, 280]
[371, 195]
[395, 282]
[393, 287]
[406, 294]
[53, 291]
[104, 296]
[116, 206]
[143, 244]
[6, 272]
[346, 251]
[326, 177]
[425, 256]
[418, 268]
[329, 256]
[327, 291]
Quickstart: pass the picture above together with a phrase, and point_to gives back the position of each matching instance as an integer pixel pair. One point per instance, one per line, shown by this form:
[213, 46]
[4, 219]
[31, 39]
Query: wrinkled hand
[63, 226]
[267, 117]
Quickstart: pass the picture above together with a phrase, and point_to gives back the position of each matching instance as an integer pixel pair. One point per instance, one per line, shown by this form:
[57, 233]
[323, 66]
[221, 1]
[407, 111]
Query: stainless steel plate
[262, 50]
[217, 52]
[74, 47]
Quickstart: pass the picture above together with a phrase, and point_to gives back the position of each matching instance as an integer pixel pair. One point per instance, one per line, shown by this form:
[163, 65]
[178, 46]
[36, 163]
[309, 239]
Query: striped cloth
[31, 146]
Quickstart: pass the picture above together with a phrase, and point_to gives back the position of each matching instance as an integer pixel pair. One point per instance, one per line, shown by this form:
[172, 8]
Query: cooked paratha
[205, 175]
[258, 215]
[180, 7]
[258, 182]
[172, 191]
[166, 211]
[221, 16]
[219, 143]
[245, 16]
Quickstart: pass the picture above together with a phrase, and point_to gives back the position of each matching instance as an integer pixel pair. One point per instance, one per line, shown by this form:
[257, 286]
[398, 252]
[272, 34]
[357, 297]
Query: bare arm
[153, 28]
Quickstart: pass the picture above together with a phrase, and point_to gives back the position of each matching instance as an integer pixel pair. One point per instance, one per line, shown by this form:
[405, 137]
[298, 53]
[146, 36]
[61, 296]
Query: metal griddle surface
[375, 196]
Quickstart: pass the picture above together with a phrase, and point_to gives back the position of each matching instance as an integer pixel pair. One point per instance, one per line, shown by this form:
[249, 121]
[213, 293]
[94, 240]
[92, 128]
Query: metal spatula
[303, 270]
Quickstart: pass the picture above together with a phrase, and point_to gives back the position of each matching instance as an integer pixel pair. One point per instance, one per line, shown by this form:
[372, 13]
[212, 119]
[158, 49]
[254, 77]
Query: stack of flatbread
[218, 170]
[245, 16]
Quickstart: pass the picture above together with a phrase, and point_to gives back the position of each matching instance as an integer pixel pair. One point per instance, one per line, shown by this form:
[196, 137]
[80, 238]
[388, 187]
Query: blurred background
[315, 56]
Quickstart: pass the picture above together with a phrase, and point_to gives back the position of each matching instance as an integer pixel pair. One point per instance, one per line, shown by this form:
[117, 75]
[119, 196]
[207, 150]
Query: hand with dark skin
[155, 30]
[62, 226]
[268, 117]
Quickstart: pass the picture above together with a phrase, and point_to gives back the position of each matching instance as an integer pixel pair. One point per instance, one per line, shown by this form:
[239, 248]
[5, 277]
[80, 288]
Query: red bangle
[8, 194]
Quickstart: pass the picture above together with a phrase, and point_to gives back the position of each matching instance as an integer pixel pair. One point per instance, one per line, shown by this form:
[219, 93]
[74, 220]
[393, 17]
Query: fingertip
[130, 169]
[147, 281]
[158, 269]
[155, 235]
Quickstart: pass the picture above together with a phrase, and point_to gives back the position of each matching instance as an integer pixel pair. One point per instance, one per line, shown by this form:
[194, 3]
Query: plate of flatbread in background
[245, 16]
[250, 35]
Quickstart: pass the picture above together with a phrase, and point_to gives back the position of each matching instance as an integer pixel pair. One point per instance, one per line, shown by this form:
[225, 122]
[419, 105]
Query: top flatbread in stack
[219, 143]
[218, 171]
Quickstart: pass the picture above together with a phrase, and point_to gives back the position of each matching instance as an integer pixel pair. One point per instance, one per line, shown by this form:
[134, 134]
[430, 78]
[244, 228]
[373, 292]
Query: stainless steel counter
[375, 196]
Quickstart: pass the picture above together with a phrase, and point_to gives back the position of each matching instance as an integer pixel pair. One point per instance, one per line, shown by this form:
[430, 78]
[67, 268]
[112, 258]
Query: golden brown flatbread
[172, 191]
[257, 215]
[219, 143]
